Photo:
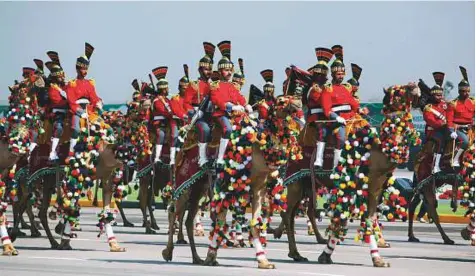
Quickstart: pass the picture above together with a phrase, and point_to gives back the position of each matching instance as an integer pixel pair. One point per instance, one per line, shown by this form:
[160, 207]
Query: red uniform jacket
[192, 96]
[162, 107]
[435, 116]
[338, 96]
[222, 93]
[55, 98]
[460, 112]
[77, 89]
[314, 102]
[177, 106]
[264, 108]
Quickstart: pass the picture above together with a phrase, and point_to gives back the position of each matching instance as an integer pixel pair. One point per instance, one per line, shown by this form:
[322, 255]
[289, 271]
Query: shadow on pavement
[161, 262]
[460, 260]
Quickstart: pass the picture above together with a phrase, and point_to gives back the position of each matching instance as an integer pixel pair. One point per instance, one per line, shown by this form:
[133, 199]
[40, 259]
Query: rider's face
[464, 92]
[338, 76]
[226, 73]
[82, 72]
[205, 72]
[438, 97]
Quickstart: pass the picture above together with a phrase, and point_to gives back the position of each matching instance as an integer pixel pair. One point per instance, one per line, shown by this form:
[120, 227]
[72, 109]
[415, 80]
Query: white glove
[340, 120]
[63, 94]
[249, 109]
[454, 135]
[238, 108]
[200, 114]
[84, 115]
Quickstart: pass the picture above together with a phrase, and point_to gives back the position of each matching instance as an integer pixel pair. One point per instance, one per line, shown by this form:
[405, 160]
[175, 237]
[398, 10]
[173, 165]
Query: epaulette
[214, 85]
[328, 87]
[194, 85]
[471, 99]
[54, 86]
[92, 82]
[175, 97]
[453, 102]
[315, 87]
[347, 86]
[427, 107]
[72, 83]
[237, 86]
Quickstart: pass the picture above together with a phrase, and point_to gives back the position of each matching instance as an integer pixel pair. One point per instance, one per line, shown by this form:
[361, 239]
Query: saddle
[192, 141]
[425, 156]
[45, 137]
[308, 139]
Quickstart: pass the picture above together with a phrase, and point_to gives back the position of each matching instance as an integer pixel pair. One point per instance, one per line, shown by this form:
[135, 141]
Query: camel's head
[287, 105]
[400, 98]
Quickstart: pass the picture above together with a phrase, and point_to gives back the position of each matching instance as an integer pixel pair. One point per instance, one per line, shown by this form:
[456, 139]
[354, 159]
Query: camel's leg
[211, 259]
[278, 231]
[257, 200]
[17, 217]
[143, 201]
[199, 232]
[107, 197]
[381, 243]
[123, 215]
[377, 183]
[96, 191]
[66, 237]
[431, 199]
[192, 212]
[311, 213]
[151, 206]
[8, 249]
[325, 257]
[291, 217]
[377, 260]
[34, 227]
[411, 215]
[468, 232]
[43, 214]
[295, 193]
[167, 253]
[180, 236]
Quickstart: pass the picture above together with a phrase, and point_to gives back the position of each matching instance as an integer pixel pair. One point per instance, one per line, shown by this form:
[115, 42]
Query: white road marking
[57, 258]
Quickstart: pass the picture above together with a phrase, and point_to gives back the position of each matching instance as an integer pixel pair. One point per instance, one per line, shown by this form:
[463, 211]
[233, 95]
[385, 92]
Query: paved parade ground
[143, 257]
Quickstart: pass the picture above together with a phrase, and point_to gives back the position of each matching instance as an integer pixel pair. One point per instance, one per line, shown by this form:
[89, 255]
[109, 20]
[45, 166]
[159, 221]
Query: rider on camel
[315, 111]
[58, 101]
[78, 91]
[435, 116]
[227, 98]
[27, 83]
[177, 102]
[354, 81]
[264, 106]
[338, 103]
[460, 116]
[239, 76]
[194, 95]
[163, 116]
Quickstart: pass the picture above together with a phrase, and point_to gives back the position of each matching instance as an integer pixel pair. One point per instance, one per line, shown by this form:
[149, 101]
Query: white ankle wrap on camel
[109, 232]
[4, 235]
[260, 253]
[66, 231]
[331, 245]
[373, 247]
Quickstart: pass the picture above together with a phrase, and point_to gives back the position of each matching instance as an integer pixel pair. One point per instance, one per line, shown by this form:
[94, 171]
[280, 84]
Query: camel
[380, 166]
[50, 182]
[427, 182]
[259, 176]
